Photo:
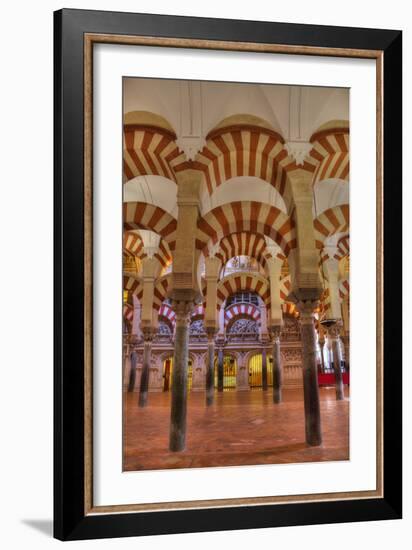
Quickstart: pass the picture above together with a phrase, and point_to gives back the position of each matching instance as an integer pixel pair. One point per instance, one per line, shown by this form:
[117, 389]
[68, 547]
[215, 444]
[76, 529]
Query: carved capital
[335, 330]
[148, 334]
[211, 332]
[183, 310]
[275, 331]
[307, 310]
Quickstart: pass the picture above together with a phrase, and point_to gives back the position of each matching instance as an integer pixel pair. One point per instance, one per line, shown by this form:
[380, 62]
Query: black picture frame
[70, 520]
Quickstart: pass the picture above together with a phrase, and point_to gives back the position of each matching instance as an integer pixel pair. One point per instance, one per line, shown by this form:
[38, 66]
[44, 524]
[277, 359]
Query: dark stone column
[277, 366]
[133, 366]
[220, 369]
[144, 379]
[345, 340]
[210, 367]
[322, 359]
[177, 439]
[310, 375]
[334, 336]
[264, 370]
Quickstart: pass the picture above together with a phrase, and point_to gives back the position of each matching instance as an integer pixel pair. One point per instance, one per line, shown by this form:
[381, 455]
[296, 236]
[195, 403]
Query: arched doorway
[229, 372]
[255, 370]
[168, 374]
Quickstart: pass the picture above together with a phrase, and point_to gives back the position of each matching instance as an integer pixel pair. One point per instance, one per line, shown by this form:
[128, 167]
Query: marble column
[147, 358]
[177, 438]
[133, 367]
[210, 366]
[220, 373]
[277, 366]
[334, 332]
[264, 370]
[310, 376]
[322, 358]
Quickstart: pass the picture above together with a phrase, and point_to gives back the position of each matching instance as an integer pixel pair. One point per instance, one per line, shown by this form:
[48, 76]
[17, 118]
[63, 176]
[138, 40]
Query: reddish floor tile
[239, 428]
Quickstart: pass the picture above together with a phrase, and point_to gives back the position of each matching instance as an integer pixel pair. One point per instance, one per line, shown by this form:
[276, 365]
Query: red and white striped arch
[332, 221]
[245, 216]
[243, 281]
[167, 312]
[149, 150]
[285, 286]
[344, 289]
[290, 309]
[243, 150]
[330, 153]
[343, 249]
[141, 215]
[235, 311]
[198, 312]
[128, 312]
[247, 244]
[134, 285]
[324, 303]
[163, 256]
[132, 244]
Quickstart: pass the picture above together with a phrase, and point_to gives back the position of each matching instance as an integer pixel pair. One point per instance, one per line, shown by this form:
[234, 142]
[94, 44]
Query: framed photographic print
[227, 274]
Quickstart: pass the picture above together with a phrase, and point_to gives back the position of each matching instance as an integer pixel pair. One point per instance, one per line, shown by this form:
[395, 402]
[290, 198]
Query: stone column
[310, 375]
[133, 367]
[277, 366]
[345, 340]
[210, 366]
[177, 439]
[220, 358]
[334, 332]
[147, 358]
[322, 345]
[264, 370]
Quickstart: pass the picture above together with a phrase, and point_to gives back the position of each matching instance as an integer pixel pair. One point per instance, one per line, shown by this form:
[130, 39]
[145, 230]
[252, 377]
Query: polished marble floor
[239, 428]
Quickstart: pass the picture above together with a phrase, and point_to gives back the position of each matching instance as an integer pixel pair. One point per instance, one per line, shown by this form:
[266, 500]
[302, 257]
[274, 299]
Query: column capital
[211, 333]
[335, 330]
[307, 309]
[275, 331]
[183, 310]
[148, 333]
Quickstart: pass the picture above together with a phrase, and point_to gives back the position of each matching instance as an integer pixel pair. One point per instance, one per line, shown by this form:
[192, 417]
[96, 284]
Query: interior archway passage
[229, 372]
